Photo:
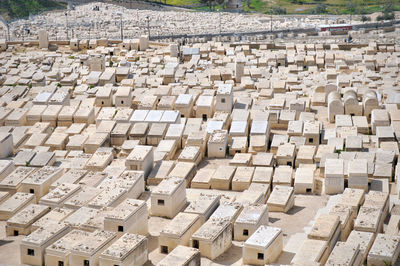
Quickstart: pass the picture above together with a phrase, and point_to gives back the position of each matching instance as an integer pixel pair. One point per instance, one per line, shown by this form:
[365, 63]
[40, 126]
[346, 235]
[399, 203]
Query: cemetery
[183, 142]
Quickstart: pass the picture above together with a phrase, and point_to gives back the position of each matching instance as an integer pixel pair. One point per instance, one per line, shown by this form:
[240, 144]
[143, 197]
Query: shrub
[320, 9]
[387, 16]
[277, 10]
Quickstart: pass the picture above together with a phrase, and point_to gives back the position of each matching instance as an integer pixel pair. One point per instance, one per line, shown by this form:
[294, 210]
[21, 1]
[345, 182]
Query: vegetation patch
[10, 9]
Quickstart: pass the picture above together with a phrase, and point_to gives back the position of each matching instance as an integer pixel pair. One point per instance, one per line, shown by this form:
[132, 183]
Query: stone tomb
[86, 194]
[228, 211]
[311, 252]
[130, 216]
[379, 117]
[139, 132]
[358, 174]
[334, 176]
[96, 141]
[283, 175]
[166, 150]
[169, 197]
[56, 215]
[345, 254]
[242, 178]
[191, 154]
[175, 132]
[6, 167]
[21, 222]
[181, 256]
[305, 155]
[12, 182]
[184, 103]
[262, 175]
[241, 159]
[66, 115]
[88, 251]
[264, 246]
[120, 133]
[32, 247]
[204, 205]
[256, 194]
[202, 179]
[4, 196]
[156, 133]
[346, 219]
[102, 157]
[363, 240]
[224, 98]
[185, 170]
[263, 159]
[281, 199]
[39, 182]
[160, 170]
[123, 97]
[178, 231]
[130, 249]
[353, 198]
[222, 177]
[249, 220]
[380, 200]
[385, 250]
[368, 220]
[6, 145]
[58, 252]
[285, 154]
[130, 184]
[85, 114]
[217, 144]
[81, 216]
[73, 176]
[326, 227]
[304, 181]
[141, 158]
[34, 114]
[57, 196]
[213, 238]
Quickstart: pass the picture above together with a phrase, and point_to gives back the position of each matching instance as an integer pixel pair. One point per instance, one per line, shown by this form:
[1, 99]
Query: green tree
[365, 18]
[351, 6]
[387, 11]
[320, 9]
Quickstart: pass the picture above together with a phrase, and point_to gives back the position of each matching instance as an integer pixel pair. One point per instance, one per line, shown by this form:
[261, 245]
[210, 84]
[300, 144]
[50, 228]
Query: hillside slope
[22, 8]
